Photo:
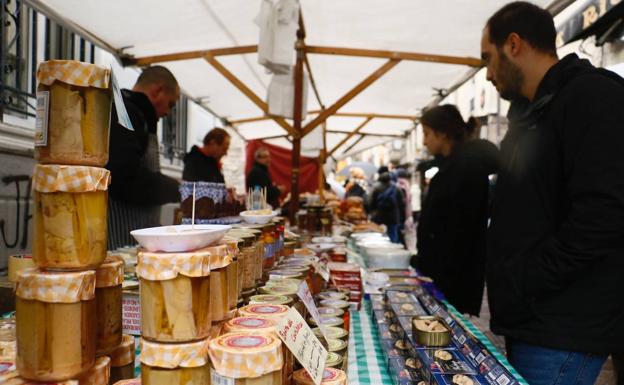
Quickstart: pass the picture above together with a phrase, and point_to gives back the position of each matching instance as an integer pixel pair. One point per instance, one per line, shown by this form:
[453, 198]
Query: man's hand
[282, 188]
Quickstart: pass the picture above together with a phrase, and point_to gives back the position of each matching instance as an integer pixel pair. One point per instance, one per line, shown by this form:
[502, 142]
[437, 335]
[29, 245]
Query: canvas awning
[144, 28]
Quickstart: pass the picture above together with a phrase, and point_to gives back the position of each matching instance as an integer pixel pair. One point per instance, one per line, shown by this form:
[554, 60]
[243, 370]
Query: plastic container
[56, 324]
[71, 205]
[75, 123]
[174, 364]
[99, 374]
[242, 358]
[122, 360]
[108, 296]
[176, 295]
[388, 258]
[331, 376]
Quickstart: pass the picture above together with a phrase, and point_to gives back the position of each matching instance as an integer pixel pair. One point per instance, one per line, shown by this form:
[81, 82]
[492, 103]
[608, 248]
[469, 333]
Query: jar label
[41, 123]
[217, 379]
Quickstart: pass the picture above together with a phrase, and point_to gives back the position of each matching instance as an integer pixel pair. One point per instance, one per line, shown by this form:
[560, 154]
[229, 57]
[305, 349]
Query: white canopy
[143, 28]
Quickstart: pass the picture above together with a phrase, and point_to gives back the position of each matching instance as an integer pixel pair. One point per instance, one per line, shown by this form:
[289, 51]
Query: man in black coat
[555, 268]
[138, 188]
[202, 164]
[259, 176]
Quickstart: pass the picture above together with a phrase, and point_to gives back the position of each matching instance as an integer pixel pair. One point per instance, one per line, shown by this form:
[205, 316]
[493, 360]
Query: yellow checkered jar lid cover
[171, 356]
[56, 287]
[110, 272]
[73, 72]
[73, 179]
[245, 355]
[157, 266]
[124, 353]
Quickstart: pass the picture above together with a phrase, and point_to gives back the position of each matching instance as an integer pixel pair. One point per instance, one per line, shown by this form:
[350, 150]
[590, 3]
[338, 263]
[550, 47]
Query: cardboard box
[442, 361]
[395, 296]
[447, 379]
[407, 309]
[402, 374]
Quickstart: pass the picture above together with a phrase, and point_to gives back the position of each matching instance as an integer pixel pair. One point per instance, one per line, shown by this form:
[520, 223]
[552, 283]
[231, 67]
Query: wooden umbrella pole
[298, 102]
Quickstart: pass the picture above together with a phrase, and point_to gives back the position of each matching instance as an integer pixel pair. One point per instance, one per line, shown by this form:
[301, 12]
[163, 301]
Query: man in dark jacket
[387, 205]
[556, 241]
[138, 188]
[202, 164]
[259, 176]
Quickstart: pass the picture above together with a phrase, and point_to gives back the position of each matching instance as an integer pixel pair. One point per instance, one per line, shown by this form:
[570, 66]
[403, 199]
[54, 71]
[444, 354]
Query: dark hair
[530, 22]
[158, 75]
[446, 119]
[382, 169]
[217, 135]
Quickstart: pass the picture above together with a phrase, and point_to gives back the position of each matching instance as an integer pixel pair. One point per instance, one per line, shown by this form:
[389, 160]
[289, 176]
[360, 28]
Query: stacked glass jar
[183, 295]
[66, 313]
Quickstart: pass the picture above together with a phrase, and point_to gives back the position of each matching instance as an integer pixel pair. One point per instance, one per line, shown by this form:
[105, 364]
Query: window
[174, 129]
[26, 39]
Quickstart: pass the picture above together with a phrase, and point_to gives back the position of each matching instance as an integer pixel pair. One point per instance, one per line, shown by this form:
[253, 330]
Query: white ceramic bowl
[389, 259]
[257, 219]
[179, 238]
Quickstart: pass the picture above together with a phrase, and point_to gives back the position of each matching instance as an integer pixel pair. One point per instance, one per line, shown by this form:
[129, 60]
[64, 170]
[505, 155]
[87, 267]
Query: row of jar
[234, 357]
[64, 320]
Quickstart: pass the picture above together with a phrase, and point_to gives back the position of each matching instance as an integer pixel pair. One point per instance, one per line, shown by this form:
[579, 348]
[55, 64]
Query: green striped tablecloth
[367, 365]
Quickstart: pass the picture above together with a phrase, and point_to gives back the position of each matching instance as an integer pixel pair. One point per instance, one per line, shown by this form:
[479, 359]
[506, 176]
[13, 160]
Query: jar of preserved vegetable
[331, 376]
[108, 296]
[56, 324]
[75, 119]
[240, 358]
[220, 287]
[99, 374]
[274, 312]
[232, 272]
[122, 360]
[71, 205]
[256, 230]
[174, 364]
[176, 295]
[247, 254]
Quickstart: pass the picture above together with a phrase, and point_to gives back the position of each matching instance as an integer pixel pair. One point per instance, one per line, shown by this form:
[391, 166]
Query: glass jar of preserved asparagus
[175, 290]
[245, 359]
[122, 360]
[70, 217]
[108, 296]
[247, 254]
[256, 230]
[99, 374]
[56, 323]
[174, 364]
[75, 120]
[331, 376]
[232, 270]
[239, 242]
[220, 261]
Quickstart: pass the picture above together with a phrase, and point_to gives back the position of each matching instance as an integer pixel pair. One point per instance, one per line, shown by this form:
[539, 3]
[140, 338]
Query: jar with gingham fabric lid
[73, 116]
[175, 292]
[242, 358]
[174, 364]
[56, 323]
[108, 296]
[71, 205]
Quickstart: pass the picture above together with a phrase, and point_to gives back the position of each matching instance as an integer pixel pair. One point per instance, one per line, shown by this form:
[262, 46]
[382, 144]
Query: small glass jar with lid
[70, 216]
[108, 296]
[270, 299]
[334, 360]
[331, 376]
[219, 285]
[176, 295]
[243, 358]
[122, 360]
[174, 364]
[77, 99]
[274, 312]
[56, 324]
[332, 333]
[248, 256]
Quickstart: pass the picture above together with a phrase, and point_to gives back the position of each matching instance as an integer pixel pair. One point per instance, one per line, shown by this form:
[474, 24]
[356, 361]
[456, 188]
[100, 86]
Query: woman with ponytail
[453, 221]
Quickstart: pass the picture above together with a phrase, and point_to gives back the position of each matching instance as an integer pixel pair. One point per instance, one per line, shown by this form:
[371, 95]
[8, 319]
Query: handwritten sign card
[301, 341]
[307, 299]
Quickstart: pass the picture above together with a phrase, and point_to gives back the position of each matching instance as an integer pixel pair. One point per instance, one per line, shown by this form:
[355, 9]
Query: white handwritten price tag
[306, 297]
[322, 270]
[122, 114]
[301, 341]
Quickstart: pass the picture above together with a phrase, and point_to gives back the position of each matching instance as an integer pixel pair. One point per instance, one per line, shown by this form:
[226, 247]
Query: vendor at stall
[203, 164]
[139, 188]
[259, 176]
